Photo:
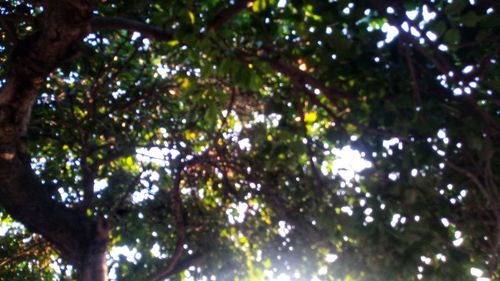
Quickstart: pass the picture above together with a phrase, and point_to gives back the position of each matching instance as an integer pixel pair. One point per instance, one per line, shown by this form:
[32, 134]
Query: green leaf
[471, 19]
[439, 27]
[452, 36]
[259, 5]
[456, 7]
[310, 117]
[173, 43]
[191, 17]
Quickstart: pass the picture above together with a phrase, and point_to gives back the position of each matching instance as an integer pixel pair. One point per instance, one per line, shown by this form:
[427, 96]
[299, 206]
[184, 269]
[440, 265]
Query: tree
[206, 137]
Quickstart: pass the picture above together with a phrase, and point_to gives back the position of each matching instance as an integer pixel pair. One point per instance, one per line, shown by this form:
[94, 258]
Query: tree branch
[415, 84]
[32, 250]
[157, 33]
[301, 78]
[182, 264]
[228, 14]
[147, 30]
[172, 264]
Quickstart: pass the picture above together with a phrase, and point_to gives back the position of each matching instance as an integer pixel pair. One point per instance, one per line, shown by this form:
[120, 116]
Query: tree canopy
[249, 140]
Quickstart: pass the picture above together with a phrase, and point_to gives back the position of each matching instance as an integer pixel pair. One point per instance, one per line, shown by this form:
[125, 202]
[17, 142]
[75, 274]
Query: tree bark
[93, 266]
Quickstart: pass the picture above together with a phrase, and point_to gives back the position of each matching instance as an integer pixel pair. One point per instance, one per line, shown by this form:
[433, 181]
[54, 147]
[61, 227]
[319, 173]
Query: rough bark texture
[81, 240]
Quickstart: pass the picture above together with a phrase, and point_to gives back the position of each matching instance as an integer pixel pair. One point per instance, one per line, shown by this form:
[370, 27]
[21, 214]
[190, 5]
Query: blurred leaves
[254, 115]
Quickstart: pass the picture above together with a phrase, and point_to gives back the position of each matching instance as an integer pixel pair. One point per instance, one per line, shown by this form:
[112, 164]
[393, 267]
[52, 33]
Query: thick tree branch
[26, 200]
[228, 14]
[37, 55]
[147, 30]
[8, 28]
[157, 33]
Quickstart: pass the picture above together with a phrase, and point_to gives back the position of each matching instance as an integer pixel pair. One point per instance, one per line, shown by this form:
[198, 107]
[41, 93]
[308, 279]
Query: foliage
[213, 135]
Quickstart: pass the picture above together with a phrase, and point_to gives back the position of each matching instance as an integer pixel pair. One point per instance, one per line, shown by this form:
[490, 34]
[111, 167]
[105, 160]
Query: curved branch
[157, 33]
[300, 77]
[172, 264]
[228, 14]
[147, 30]
[181, 265]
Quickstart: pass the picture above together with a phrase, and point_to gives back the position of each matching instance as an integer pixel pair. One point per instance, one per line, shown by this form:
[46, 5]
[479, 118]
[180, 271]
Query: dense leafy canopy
[215, 139]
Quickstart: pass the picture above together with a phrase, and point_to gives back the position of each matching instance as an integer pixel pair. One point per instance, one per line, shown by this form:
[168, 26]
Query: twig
[415, 85]
[488, 197]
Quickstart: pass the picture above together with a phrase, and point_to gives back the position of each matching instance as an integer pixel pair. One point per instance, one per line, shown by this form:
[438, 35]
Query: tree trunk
[80, 239]
[94, 267]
